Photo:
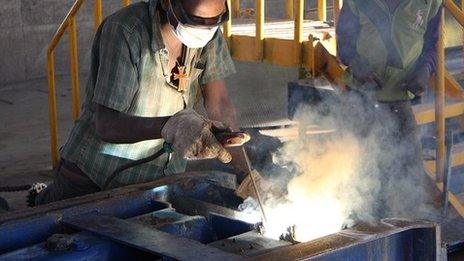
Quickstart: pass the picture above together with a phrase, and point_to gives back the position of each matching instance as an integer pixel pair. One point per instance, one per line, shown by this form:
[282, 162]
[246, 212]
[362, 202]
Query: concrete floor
[24, 134]
[24, 128]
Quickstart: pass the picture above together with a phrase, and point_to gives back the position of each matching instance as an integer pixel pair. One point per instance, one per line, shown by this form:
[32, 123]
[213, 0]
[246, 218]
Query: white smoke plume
[348, 176]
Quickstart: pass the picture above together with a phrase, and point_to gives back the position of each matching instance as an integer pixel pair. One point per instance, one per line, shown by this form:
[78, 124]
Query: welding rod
[255, 186]
[235, 139]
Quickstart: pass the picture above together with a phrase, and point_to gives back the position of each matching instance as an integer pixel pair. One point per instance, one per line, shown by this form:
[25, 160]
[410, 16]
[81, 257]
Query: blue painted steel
[96, 249]
[168, 220]
[226, 227]
[92, 247]
[26, 232]
[416, 244]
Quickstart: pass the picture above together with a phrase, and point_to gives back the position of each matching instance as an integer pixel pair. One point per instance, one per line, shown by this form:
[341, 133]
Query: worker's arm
[217, 103]
[348, 29]
[428, 58]
[116, 84]
[418, 81]
[117, 127]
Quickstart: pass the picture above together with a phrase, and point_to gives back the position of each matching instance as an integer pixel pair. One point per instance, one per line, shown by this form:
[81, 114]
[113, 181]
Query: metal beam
[150, 240]
[259, 38]
[391, 239]
[290, 9]
[322, 10]
[98, 9]
[74, 68]
[219, 178]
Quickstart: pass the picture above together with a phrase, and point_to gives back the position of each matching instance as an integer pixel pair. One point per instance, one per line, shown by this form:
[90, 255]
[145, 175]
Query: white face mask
[194, 37]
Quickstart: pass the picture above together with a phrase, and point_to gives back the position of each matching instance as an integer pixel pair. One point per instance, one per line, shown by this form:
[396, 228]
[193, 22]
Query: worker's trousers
[68, 182]
[392, 168]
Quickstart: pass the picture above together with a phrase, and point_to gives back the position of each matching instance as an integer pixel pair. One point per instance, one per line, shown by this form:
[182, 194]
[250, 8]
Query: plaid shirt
[128, 74]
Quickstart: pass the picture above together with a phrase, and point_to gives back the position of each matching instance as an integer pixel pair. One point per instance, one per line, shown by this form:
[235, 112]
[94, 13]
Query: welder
[389, 47]
[150, 62]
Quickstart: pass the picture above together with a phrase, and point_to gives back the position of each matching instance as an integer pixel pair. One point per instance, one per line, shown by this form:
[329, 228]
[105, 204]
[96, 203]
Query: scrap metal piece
[150, 240]
[60, 243]
[289, 235]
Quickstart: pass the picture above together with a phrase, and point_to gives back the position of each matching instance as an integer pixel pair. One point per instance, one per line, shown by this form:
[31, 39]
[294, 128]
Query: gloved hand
[361, 70]
[192, 136]
[418, 82]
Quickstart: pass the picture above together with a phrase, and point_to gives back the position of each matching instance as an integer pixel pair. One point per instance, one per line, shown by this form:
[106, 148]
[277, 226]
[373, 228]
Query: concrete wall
[27, 26]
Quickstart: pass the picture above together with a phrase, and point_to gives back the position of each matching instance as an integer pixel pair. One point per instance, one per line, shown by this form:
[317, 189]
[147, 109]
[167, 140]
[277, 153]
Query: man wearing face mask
[149, 63]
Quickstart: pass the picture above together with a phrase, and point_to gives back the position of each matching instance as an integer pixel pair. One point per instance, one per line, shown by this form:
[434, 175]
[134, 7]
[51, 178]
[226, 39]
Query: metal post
[51, 79]
[126, 2]
[322, 10]
[290, 9]
[98, 13]
[74, 68]
[299, 21]
[298, 34]
[259, 39]
[52, 108]
[440, 102]
[236, 8]
[228, 28]
[312, 56]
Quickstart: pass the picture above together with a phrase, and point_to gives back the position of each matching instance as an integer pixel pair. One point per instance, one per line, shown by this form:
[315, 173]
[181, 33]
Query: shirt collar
[156, 38]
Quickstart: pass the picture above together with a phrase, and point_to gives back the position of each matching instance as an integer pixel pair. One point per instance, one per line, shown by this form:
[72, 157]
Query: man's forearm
[225, 113]
[428, 58]
[218, 105]
[117, 127]
[348, 29]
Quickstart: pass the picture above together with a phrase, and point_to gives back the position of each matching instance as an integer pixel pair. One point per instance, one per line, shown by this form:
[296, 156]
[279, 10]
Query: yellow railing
[68, 24]
[443, 78]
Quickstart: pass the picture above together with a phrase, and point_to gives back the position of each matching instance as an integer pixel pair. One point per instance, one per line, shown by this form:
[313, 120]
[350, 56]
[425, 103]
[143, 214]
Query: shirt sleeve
[116, 80]
[348, 29]
[428, 57]
[218, 63]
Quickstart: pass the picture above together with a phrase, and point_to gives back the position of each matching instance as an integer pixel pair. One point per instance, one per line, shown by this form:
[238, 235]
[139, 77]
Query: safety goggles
[179, 13]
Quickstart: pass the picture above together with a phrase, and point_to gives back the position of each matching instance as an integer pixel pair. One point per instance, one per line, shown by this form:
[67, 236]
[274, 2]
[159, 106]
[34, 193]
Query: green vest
[391, 42]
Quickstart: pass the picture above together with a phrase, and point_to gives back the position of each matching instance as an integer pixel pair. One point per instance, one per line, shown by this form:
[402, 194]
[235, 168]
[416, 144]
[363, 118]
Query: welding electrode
[255, 185]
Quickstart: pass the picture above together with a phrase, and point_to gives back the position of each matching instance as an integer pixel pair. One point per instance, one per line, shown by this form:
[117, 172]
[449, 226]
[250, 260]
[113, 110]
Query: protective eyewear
[179, 13]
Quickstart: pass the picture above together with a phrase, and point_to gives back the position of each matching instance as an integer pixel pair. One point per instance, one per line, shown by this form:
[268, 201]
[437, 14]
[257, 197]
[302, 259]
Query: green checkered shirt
[128, 74]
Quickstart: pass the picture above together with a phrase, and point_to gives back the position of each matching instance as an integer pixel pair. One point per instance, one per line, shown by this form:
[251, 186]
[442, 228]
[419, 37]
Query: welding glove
[417, 82]
[192, 136]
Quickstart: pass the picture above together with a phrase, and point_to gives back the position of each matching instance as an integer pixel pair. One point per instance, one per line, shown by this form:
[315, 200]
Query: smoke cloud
[369, 167]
